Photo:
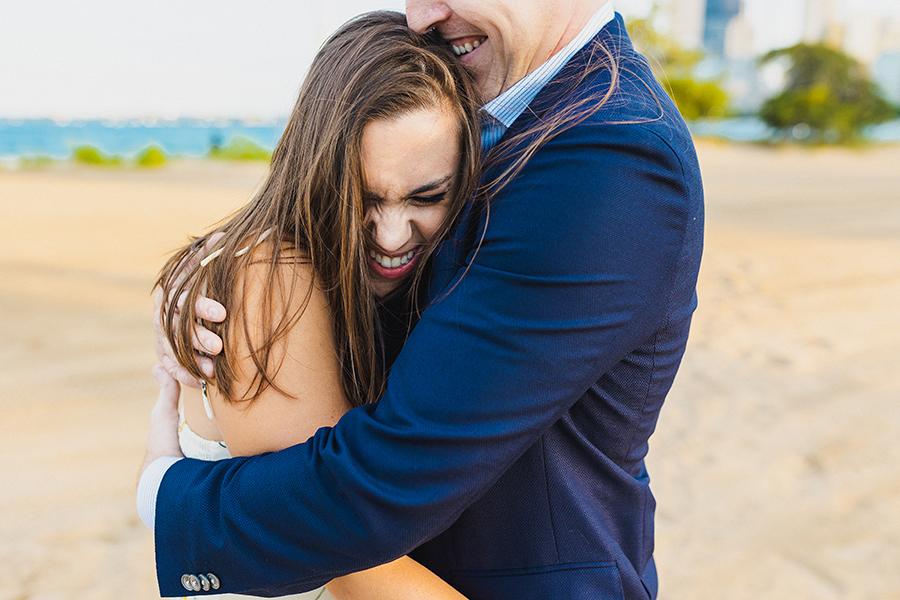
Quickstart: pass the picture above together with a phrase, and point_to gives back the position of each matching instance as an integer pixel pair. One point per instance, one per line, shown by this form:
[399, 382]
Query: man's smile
[464, 45]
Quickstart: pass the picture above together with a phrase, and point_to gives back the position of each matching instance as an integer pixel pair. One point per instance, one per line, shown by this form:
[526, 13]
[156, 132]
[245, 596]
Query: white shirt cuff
[148, 488]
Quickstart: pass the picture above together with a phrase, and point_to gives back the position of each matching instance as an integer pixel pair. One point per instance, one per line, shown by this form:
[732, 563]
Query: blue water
[193, 138]
[886, 132]
[751, 129]
[743, 129]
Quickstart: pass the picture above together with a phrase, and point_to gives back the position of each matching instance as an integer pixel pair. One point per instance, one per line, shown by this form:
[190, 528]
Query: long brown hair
[374, 67]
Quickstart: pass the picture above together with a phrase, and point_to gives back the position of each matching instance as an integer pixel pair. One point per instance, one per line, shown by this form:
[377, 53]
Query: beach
[773, 463]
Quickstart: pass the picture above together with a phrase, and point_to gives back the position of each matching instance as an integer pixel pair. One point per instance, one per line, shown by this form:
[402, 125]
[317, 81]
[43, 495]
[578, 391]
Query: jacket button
[204, 582]
[213, 581]
[195, 583]
[186, 582]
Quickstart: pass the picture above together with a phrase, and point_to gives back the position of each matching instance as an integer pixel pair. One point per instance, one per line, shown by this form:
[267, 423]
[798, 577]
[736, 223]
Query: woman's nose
[390, 229]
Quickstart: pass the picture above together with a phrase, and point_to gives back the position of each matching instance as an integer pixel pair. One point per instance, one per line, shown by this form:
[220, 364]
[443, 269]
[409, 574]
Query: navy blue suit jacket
[507, 453]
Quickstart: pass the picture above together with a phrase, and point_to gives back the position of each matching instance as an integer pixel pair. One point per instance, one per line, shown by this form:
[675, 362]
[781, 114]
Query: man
[507, 452]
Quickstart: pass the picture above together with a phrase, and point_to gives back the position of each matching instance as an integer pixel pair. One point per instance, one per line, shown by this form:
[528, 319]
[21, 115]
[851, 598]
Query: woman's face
[410, 164]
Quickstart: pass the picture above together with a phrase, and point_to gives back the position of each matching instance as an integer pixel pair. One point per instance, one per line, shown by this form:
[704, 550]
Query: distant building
[890, 34]
[740, 68]
[721, 29]
[739, 37]
[719, 14]
[820, 22]
[862, 38]
[687, 19]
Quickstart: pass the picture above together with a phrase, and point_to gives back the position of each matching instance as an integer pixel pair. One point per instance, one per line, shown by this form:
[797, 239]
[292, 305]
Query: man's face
[500, 41]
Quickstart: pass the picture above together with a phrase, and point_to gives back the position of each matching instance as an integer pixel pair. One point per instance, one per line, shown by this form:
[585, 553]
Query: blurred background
[124, 127]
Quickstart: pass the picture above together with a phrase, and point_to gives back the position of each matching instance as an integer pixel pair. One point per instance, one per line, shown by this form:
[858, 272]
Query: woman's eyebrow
[431, 186]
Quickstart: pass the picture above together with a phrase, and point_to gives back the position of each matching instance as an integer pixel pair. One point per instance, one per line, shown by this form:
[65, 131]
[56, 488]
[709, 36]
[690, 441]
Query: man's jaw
[476, 53]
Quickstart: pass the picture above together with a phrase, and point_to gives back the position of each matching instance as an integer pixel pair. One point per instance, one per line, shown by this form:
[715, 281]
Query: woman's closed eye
[428, 199]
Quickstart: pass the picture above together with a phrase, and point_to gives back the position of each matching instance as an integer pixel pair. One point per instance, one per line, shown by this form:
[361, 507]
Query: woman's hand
[205, 342]
[163, 438]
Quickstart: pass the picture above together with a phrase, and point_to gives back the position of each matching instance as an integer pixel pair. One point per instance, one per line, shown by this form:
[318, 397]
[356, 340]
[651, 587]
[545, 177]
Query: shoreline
[29, 162]
[37, 143]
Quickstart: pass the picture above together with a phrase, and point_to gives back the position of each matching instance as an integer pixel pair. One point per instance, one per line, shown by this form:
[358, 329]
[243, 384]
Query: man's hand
[205, 342]
[163, 439]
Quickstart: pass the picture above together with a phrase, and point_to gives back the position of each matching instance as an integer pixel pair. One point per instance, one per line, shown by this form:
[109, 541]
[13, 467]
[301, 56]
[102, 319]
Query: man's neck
[508, 106]
[581, 13]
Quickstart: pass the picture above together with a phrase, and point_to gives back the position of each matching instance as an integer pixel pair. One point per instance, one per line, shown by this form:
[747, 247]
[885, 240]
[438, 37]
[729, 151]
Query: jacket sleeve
[585, 255]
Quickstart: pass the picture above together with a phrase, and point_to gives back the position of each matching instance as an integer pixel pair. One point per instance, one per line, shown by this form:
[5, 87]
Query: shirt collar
[507, 107]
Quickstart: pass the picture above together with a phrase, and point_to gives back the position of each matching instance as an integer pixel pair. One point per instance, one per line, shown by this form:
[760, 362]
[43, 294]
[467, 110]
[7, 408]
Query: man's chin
[478, 65]
[487, 87]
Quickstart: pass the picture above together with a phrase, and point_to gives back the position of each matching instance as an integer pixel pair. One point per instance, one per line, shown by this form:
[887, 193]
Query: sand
[776, 463]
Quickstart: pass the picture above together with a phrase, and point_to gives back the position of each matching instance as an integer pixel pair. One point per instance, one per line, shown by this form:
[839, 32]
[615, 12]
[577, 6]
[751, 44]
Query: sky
[118, 59]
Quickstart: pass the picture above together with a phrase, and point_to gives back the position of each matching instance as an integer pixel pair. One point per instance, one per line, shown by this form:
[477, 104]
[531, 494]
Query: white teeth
[465, 48]
[392, 263]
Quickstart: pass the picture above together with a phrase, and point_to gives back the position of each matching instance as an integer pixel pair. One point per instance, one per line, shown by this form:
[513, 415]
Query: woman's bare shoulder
[306, 390]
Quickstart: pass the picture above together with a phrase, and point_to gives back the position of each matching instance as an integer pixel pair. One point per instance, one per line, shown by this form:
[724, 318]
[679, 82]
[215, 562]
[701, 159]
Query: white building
[739, 37]
[819, 19]
[686, 20]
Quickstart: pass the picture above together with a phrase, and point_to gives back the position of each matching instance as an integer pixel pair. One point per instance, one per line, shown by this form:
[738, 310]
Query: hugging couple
[425, 360]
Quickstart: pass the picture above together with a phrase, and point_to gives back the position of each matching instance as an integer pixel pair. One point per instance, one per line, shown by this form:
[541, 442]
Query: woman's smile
[393, 267]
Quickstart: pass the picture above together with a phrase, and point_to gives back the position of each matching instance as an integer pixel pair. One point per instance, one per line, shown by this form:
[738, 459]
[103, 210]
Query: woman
[378, 156]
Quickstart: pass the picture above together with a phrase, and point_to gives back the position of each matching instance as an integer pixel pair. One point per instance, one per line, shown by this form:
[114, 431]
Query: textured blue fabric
[509, 445]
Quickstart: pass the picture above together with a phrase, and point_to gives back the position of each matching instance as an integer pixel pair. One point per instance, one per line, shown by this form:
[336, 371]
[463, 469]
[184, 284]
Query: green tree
[674, 67]
[697, 99]
[240, 148]
[828, 96]
[89, 155]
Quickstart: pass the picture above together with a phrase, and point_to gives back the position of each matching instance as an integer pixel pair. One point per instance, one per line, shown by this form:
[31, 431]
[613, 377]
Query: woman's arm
[304, 360]
[310, 377]
[402, 579]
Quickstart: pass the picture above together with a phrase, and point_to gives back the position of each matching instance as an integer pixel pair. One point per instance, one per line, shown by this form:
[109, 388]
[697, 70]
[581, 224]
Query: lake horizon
[56, 139]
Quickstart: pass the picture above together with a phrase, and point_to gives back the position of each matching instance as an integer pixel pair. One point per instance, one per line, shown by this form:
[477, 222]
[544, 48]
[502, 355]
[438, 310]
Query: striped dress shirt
[501, 112]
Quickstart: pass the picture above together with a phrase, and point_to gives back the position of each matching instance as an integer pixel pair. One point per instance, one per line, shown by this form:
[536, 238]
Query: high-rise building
[862, 38]
[718, 14]
[686, 22]
[739, 37]
[819, 21]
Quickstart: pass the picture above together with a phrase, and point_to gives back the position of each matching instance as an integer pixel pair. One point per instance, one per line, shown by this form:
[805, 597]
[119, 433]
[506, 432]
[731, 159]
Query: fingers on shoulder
[288, 316]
